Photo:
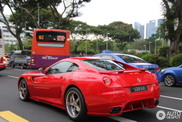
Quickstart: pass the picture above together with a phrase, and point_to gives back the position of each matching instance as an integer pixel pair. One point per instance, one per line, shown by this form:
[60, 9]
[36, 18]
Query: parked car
[171, 76]
[20, 58]
[131, 60]
[5, 59]
[91, 86]
[2, 64]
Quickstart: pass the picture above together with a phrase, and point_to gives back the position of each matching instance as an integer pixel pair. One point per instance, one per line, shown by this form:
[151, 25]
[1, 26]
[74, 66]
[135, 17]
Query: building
[151, 28]
[7, 37]
[159, 22]
[140, 29]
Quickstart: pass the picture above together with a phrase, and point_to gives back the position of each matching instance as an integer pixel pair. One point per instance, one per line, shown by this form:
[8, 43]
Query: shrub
[151, 58]
[176, 60]
[164, 51]
[163, 62]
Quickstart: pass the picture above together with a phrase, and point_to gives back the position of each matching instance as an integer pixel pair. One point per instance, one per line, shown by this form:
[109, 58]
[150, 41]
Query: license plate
[138, 88]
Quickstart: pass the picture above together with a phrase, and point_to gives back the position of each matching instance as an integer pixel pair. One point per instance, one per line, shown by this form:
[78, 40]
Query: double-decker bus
[49, 46]
[1, 45]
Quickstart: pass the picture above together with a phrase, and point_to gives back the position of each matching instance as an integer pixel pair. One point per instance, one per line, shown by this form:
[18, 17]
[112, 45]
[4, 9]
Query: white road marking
[11, 76]
[175, 98]
[23, 70]
[121, 119]
[172, 109]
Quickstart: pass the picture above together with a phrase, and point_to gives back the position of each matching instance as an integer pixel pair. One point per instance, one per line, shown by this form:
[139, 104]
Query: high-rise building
[150, 28]
[140, 29]
[159, 22]
[7, 37]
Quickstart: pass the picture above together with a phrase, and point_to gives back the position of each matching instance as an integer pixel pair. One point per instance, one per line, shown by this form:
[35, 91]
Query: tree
[32, 14]
[121, 32]
[173, 24]
[79, 32]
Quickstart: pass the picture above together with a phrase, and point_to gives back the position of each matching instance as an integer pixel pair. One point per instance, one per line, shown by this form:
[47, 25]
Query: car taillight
[157, 69]
[1, 60]
[32, 60]
[154, 76]
[4, 59]
[107, 81]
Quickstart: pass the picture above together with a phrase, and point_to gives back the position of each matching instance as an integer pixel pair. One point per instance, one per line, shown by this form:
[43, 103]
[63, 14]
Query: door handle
[61, 77]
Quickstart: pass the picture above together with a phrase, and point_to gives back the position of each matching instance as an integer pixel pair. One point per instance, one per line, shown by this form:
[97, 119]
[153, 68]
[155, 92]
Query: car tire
[169, 80]
[23, 90]
[12, 65]
[75, 104]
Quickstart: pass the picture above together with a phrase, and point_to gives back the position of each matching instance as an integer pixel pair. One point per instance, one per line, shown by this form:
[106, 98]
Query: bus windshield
[51, 36]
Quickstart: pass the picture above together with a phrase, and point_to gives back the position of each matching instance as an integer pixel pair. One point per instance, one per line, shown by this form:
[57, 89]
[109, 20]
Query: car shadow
[63, 112]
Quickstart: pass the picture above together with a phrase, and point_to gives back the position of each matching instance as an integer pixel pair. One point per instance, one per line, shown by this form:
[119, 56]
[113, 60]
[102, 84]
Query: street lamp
[155, 47]
[145, 47]
[107, 41]
[86, 50]
[149, 47]
[38, 21]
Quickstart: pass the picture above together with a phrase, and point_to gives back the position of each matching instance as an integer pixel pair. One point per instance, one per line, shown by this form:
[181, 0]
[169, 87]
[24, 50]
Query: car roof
[116, 54]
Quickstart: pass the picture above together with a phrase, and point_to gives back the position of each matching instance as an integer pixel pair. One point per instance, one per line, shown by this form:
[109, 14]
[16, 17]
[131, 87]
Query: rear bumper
[2, 66]
[116, 102]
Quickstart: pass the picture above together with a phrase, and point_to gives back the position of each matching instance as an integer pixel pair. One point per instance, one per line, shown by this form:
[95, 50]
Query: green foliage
[139, 44]
[164, 51]
[119, 31]
[151, 58]
[10, 47]
[172, 26]
[162, 62]
[86, 45]
[176, 60]
[27, 43]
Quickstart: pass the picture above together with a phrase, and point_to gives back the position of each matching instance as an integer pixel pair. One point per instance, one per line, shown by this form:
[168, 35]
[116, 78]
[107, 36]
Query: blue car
[131, 60]
[171, 76]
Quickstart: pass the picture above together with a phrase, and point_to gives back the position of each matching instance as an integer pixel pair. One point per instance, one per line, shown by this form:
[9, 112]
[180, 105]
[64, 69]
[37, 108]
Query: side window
[107, 57]
[72, 68]
[61, 67]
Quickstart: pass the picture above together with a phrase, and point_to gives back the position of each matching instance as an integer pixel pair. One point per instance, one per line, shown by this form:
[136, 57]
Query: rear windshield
[131, 59]
[51, 36]
[102, 65]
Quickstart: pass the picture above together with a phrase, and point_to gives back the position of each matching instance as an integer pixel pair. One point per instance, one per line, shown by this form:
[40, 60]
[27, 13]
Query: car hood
[144, 65]
[32, 74]
[171, 68]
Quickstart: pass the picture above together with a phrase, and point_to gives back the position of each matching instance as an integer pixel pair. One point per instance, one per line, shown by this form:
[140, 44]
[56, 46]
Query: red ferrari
[2, 64]
[91, 86]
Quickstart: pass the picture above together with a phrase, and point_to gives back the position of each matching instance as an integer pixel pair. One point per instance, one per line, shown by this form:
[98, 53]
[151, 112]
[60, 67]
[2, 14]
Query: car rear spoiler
[121, 71]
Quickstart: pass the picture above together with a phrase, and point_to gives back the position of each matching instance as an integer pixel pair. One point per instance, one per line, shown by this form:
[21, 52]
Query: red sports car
[91, 86]
[2, 64]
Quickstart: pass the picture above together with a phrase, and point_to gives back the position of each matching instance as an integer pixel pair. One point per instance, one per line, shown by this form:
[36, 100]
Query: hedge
[176, 60]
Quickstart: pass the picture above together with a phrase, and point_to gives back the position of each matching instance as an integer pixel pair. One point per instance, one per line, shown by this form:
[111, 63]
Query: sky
[103, 12]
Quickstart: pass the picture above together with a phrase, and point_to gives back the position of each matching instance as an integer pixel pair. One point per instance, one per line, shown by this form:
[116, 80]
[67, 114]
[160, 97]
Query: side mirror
[41, 70]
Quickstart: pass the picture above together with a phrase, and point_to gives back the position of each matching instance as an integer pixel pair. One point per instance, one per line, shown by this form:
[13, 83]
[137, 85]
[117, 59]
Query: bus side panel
[45, 60]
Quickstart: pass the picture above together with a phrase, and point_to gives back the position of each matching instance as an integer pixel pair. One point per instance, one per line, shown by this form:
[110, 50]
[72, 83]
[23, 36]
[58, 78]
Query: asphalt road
[170, 105]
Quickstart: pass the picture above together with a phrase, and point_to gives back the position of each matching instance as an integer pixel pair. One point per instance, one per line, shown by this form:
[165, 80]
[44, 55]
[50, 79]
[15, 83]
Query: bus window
[51, 36]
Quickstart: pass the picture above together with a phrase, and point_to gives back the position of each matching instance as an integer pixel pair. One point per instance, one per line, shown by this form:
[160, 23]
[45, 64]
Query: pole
[155, 47]
[149, 47]
[38, 22]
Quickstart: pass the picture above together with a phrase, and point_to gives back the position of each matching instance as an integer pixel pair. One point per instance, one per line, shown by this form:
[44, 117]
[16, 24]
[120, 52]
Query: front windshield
[131, 59]
[101, 64]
